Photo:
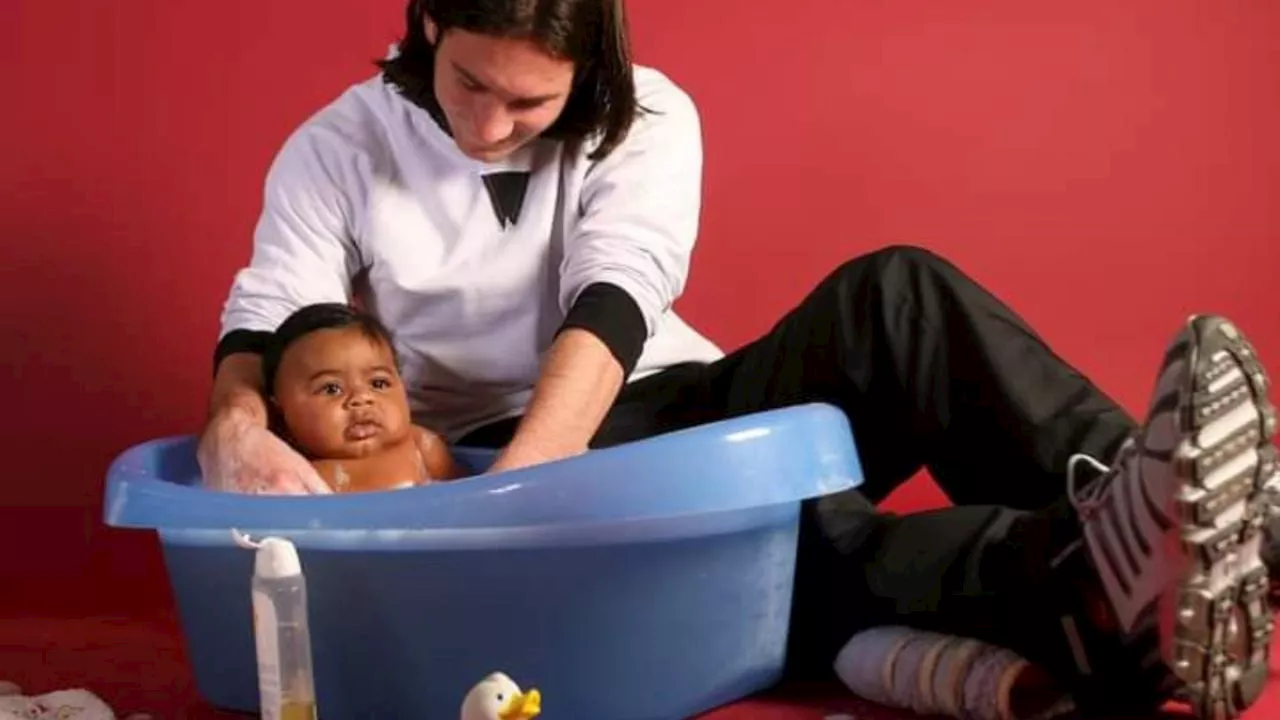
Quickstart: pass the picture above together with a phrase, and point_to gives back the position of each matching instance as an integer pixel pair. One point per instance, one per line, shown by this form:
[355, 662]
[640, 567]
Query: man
[518, 204]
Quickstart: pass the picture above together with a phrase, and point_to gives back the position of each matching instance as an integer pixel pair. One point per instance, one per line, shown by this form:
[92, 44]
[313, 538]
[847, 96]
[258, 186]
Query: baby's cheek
[317, 432]
[396, 423]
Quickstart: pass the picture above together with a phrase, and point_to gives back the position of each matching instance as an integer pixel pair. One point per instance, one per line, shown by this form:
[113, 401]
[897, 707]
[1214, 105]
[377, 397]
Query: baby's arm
[436, 456]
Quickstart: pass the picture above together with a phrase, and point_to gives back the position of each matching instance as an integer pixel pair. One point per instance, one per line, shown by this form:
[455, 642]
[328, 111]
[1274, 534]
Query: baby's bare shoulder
[436, 455]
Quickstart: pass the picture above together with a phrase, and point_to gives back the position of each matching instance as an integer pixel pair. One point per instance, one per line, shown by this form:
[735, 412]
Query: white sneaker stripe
[1240, 417]
[1233, 376]
[1117, 513]
[1143, 542]
[1109, 562]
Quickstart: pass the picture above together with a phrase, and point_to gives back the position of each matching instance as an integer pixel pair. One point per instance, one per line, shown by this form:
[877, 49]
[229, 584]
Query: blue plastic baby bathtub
[649, 581]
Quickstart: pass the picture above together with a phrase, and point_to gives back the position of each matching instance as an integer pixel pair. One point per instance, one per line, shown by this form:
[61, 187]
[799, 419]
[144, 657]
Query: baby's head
[331, 375]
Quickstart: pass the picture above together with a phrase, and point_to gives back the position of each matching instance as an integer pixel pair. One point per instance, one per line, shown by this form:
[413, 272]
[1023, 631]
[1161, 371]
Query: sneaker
[1174, 528]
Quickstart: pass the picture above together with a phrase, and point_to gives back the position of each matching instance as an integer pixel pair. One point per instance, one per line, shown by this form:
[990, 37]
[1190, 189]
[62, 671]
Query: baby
[333, 385]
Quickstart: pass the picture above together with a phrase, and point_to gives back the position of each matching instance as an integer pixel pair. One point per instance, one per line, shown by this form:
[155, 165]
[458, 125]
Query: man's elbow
[613, 315]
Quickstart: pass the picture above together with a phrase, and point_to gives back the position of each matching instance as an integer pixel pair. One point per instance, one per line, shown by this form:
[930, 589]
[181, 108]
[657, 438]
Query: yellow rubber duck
[497, 697]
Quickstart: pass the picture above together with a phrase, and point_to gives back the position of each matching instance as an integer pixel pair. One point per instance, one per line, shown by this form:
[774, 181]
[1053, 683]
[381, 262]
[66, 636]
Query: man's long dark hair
[592, 34]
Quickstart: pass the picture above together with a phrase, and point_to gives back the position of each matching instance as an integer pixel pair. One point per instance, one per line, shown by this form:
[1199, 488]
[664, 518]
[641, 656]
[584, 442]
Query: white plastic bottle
[285, 680]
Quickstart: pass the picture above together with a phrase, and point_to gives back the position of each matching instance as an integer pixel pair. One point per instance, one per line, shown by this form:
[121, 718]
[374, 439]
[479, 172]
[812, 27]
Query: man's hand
[237, 454]
[515, 458]
[578, 385]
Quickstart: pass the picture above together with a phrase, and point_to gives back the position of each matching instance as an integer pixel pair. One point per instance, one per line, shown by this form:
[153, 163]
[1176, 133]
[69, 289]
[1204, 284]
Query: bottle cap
[277, 558]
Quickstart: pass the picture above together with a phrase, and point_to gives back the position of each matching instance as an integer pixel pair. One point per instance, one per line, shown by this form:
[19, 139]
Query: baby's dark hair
[309, 319]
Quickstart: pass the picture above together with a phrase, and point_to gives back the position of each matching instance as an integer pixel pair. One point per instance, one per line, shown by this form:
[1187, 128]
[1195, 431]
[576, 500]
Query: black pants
[933, 371]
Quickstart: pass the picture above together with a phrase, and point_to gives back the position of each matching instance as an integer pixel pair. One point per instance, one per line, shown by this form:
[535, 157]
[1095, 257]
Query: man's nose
[493, 123]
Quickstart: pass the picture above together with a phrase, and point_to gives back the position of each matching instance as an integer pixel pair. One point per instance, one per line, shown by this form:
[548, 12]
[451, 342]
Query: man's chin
[488, 154]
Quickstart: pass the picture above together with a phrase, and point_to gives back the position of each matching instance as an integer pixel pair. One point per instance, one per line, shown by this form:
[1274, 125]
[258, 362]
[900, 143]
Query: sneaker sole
[1218, 640]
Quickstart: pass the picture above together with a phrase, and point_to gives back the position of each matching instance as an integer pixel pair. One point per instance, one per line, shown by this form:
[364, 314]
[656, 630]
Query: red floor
[138, 666]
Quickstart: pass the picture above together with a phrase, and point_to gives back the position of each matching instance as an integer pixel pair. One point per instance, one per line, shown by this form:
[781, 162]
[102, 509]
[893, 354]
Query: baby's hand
[436, 456]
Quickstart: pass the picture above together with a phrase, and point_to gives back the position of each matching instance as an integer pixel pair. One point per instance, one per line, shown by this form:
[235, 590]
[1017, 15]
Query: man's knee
[894, 268]
[901, 257]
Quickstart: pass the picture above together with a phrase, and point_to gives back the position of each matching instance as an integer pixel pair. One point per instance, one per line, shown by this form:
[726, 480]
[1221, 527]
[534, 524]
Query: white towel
[71, 704]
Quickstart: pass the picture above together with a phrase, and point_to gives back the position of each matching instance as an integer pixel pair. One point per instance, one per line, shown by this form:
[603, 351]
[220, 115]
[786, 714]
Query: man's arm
[626, 263]
[578, 385]
[237, 389]
[302, 254]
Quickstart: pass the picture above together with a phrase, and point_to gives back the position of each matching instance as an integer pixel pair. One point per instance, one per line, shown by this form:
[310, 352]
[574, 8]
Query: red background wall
[1105, 167]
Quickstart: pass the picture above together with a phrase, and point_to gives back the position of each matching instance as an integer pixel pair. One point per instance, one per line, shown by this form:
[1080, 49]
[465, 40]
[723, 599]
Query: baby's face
[340, 395]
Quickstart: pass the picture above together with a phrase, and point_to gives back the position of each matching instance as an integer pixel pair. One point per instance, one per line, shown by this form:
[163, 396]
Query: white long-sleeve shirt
[370, 198]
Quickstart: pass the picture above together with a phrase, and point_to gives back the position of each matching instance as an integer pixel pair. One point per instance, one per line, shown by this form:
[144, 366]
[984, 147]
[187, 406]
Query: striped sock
[934, 674]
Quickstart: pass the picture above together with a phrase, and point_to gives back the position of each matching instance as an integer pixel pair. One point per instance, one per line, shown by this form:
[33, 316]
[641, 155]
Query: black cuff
[240, 341]
[611, 314]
